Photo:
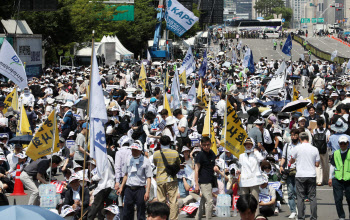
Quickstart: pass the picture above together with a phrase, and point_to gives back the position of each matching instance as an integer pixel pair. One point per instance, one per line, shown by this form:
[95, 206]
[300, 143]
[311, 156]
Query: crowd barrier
[318, 52]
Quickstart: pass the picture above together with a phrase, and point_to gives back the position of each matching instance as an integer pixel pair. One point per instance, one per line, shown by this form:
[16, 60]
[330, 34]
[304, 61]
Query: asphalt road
[329, 45]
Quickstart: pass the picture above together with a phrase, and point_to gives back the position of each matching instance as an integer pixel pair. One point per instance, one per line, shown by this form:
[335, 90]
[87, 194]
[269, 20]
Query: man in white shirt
[307, 158]
[221, 108]
[182, 139]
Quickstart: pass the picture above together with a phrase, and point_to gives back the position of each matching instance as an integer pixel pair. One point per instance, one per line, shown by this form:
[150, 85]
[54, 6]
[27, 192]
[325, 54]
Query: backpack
[74, 123]
[190, 116]
[320, 141]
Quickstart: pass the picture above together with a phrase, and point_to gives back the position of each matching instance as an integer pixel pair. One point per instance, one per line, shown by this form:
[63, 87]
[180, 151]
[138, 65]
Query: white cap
[258, 121]
[184, 148]
[169, 121]
[301, 118]
[66, 209]
[136, 146]
[343, 139]
[71, 134]
[113, 209]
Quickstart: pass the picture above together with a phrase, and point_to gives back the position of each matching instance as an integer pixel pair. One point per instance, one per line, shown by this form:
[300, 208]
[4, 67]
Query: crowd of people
[158, 159]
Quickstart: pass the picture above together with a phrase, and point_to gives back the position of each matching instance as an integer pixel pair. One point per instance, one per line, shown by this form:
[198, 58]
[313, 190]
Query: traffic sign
[320, 20]
[305, 20]
[314, 20]
[283, 20]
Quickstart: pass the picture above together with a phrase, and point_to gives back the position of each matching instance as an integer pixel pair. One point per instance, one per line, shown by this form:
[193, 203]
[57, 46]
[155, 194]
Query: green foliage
[287, 14]
[265, 7]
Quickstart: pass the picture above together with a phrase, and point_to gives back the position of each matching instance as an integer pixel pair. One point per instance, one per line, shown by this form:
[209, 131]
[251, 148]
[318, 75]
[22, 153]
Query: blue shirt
[138, 177]
[333, 141]
[67, 120]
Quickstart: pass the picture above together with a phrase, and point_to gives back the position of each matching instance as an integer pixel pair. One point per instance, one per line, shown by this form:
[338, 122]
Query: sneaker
[276, 211]
[292, 215]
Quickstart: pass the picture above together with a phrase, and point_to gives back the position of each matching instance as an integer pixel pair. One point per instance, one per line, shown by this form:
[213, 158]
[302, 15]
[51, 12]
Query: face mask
[248, 151]
[81, 183]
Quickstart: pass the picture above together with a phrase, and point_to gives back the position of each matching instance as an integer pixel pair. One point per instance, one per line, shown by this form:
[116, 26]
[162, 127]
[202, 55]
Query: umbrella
[24, 139]
[12, 212]
[293, 77]
[295, 105]
[266, 113]
[227, 64]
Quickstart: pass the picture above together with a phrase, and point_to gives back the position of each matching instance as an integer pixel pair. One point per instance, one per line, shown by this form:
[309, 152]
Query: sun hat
[248, 141]
[135, 146]
[339, 126]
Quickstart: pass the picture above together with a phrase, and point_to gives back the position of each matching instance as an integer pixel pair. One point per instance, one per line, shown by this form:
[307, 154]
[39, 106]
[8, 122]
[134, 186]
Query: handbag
[171, 170]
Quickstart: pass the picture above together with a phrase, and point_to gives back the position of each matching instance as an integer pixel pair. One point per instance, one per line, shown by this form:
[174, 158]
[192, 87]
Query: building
[229, 9]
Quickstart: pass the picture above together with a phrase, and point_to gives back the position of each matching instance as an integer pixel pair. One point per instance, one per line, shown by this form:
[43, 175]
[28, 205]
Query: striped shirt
[172, 157]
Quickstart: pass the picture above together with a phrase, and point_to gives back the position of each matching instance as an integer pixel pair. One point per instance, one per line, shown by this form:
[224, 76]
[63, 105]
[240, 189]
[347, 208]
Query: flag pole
[225, 129]
[53, 140]
[87, 123]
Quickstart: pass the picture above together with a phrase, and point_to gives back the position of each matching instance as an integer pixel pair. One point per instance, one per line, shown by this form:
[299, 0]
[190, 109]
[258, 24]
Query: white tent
[121, 52]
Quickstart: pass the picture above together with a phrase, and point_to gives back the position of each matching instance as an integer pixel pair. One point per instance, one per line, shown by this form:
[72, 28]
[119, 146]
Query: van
[271, 34]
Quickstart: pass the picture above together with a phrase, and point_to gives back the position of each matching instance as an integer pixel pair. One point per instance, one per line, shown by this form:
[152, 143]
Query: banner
[41, 144]
[235, 133]
[188, 63]
[11, 65]
[277, 82]
[192, 94]
[142, 78]
[246, 58]
[98, 117]
[178, 18]
[175, 91]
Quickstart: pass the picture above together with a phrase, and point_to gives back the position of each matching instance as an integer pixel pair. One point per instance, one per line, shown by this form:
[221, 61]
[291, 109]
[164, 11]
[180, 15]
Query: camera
[284, 177]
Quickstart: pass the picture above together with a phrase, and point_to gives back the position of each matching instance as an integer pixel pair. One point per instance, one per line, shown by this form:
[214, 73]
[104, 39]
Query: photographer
[288, 171]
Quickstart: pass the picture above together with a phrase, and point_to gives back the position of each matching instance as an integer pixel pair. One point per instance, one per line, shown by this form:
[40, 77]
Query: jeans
[292, 194]
[338, 188]
[306, 186]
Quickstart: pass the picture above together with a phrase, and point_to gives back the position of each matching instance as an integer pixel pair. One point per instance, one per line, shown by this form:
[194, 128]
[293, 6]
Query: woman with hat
[250, 174]
[168, 130]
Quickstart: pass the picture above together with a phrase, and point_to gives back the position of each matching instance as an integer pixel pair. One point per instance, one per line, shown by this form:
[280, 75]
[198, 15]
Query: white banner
[277, 82]
[188, 63]
[178, 18]
[11, 65]
[246, 58]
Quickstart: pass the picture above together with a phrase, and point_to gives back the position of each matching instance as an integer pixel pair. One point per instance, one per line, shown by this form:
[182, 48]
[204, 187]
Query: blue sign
[283, 20]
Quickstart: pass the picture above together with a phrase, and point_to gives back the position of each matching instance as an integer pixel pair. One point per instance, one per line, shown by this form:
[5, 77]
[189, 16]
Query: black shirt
[253, 115]
[207, 163]
[38, 166]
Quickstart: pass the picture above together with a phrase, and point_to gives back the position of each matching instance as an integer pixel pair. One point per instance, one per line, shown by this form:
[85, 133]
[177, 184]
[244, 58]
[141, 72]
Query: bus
[269, 27]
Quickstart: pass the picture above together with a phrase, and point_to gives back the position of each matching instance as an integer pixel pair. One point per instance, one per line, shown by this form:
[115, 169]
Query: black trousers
[267, 210]
[98, 204]
[338, 191]
[132, 198]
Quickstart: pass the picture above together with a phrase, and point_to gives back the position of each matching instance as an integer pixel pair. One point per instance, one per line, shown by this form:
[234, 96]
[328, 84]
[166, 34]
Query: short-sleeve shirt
[80, 141]
[38, 166]
[306, 156]
[183, 124]
[139, 177]
[207, 163]
[256, 135]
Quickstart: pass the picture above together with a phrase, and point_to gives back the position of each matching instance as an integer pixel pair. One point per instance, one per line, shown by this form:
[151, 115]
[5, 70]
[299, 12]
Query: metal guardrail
[319, 53]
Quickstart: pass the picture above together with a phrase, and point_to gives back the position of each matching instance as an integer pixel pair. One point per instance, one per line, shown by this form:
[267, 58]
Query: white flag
[334, 55]
[192, 96]
[188, 63]
[149, 58]
[175, 91]
[234, 57]
[348, 65]
[98, 117]
[11, 65]
[302, 57]
[246, 58]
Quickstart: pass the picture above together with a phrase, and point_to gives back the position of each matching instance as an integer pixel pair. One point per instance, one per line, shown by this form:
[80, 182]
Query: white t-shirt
[306, 156]
[183, 124]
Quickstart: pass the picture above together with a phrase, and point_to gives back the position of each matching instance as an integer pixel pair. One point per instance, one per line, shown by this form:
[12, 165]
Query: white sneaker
[276, 211]
[292, 215]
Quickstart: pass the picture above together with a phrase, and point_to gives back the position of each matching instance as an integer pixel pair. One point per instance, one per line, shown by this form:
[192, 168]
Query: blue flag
[251, 66]
[287, 48]
[203, 69]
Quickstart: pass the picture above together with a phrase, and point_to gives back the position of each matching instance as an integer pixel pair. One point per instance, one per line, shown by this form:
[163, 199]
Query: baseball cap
[343, 139]
[153, 100]
[301, 118]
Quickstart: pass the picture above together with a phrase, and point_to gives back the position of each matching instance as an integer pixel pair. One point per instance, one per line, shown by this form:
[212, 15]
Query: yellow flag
[209, 130]
[201, 93]
[41, 144]
[167, 79]
[166, 105]
[23, 125]
[142, 78]
[183, 78]
[213, 140]
[295, 94]
[14, 103]
[312, 98]
[235, 134]
[8, 100]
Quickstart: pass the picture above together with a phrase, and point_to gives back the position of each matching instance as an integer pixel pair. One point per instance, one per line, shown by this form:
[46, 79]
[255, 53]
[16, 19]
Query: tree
[265, 7]
[287, 14]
